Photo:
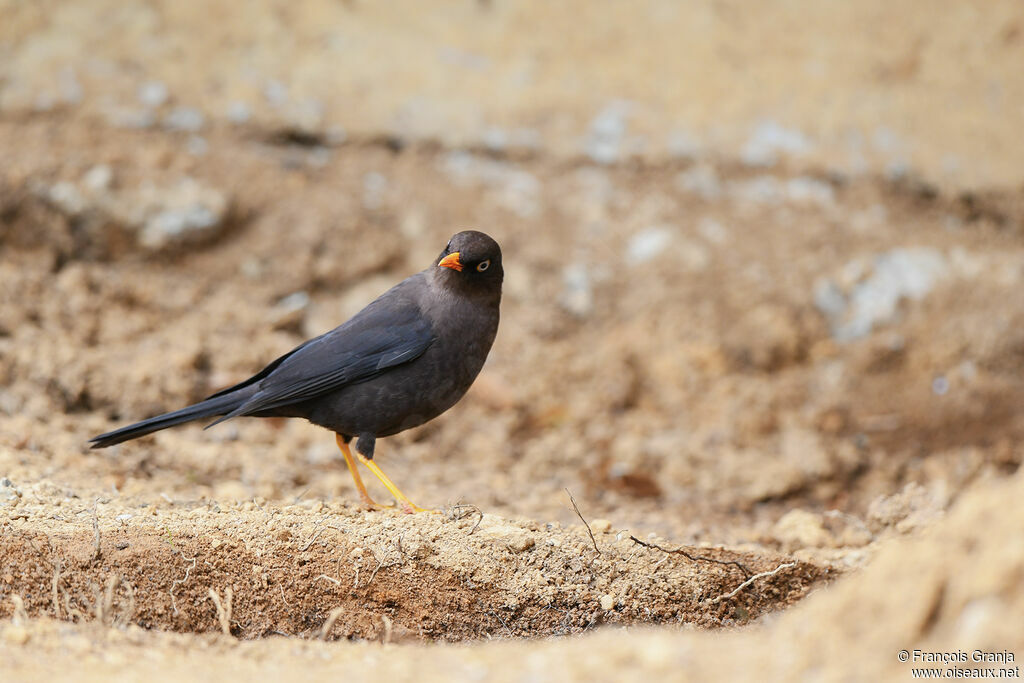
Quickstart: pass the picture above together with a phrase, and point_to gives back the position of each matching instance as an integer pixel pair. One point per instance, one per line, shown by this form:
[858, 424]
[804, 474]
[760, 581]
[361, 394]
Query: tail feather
[211, 407]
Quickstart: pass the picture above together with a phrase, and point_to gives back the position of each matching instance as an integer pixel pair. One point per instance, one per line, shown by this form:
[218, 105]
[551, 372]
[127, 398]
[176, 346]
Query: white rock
[239, 112]
[768, 140]
[875, 292]
[647, 244]
[187, 119]
[153, 94]
[607, 132]
[98, 179]
[577, 296]
[701, 180]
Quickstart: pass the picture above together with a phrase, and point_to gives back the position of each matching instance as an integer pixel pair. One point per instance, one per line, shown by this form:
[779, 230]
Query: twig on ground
[55, 589]
[691, 557]
[223, 610]
[386, 637]
[503, 622]
[329, 624]
[176, 582]
[96, 530]
[380, 563]
[329, 578]
[578, 514]
[752, 579]
[170, 537]
[129, 610]
[105, 607]
[19, 616]
[284, 599]
[312, 539]
[67, 607]
[470, 509]
[96, 607]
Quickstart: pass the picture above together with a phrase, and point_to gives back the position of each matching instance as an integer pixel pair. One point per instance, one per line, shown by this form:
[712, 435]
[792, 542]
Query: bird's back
[462, 334]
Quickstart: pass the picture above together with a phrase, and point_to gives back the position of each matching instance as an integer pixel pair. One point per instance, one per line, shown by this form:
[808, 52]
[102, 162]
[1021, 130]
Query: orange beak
[451, 261]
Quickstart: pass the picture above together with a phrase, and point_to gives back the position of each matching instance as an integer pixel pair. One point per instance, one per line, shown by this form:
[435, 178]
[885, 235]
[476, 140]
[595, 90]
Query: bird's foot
[407, 506]
[369, 504]
[411, 508]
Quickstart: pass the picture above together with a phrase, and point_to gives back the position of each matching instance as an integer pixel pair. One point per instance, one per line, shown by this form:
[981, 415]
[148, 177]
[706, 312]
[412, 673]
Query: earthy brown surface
[953, 589]
[778, 353]
[432, 577]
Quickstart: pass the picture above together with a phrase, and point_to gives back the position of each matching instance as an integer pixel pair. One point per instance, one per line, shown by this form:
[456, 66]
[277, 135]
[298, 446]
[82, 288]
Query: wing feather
[389, 332]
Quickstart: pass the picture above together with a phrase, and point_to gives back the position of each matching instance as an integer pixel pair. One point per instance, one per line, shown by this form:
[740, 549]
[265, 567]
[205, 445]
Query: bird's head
[473, 258]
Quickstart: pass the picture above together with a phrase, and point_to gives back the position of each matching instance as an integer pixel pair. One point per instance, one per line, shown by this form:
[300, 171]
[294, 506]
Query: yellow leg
[363, 495]
[407, 505]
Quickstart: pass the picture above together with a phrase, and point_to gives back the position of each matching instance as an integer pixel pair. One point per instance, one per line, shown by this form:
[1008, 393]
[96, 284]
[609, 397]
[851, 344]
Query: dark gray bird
[401, 361]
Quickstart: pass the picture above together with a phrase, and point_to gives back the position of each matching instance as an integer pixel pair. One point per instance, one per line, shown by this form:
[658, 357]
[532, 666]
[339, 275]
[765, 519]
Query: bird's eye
[483, 265]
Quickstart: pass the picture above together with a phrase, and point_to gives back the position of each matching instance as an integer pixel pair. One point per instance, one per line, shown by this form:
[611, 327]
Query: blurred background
[761, 257]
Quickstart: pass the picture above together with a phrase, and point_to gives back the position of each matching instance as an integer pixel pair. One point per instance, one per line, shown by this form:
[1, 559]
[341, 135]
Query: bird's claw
[410, 508]
[370, 504]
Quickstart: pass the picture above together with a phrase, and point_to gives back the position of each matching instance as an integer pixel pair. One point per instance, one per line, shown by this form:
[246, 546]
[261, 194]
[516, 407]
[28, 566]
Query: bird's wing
[262, 374]
[385, 334]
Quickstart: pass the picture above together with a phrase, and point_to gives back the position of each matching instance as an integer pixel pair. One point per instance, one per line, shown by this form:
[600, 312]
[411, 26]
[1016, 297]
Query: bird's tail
[213, 406]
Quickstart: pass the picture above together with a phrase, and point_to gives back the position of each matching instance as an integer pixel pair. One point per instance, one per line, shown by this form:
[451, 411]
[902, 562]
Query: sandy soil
[953, 589]
[762, 370]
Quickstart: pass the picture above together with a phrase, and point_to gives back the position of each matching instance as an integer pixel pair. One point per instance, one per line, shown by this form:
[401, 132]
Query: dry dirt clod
[521, 542]
[16, 635]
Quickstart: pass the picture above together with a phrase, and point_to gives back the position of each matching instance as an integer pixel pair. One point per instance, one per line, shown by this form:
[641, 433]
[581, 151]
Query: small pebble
[215, 543]
[601, 526]
[99, 178]
[607, 602]
[520, 543]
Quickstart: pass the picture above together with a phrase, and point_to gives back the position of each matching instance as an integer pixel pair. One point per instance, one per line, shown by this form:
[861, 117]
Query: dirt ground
[765, 328]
